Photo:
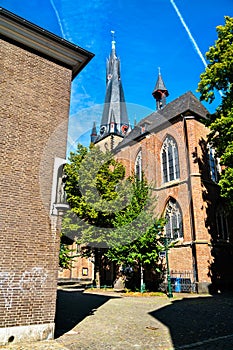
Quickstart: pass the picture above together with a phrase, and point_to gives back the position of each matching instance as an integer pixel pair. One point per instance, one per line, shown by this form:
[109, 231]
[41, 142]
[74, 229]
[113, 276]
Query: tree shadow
[73, 306]
[221, 263]
[198, 319]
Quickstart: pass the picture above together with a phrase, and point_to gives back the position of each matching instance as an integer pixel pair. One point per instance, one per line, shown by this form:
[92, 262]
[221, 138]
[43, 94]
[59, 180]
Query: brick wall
[33, 128]
[82, 268]
[180, 258]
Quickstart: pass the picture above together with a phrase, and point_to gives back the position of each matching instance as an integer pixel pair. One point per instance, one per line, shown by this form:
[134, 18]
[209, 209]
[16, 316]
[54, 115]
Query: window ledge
[170, 183]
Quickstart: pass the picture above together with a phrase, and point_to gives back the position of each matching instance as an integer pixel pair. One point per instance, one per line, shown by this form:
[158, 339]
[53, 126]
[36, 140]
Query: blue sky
[149, 34]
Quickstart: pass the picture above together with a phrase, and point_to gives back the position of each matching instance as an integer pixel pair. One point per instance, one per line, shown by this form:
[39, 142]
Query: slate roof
[114, 97]
[160, 86]
[186, 104]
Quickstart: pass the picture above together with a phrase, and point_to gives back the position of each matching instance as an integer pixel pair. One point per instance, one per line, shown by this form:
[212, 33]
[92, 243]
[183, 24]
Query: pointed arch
[138, 165]
[213, 163]
[170, 160]
[222, 222]
[174, 220]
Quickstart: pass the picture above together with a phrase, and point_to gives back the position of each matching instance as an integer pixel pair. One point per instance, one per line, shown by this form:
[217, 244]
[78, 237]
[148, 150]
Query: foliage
[96, 190]
[219, 76]
[135, 241]
[65, 254]
[142, 251]
[108, 210]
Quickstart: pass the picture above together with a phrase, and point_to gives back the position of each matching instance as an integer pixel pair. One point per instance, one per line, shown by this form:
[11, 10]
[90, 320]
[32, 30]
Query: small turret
[160, 92]
[94, 133]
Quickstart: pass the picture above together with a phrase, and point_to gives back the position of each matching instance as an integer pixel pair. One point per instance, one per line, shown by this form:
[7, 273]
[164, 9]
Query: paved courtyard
[109, 321]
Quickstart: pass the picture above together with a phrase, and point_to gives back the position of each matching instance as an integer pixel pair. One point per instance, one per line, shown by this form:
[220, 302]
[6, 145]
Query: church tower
[114, 123]
[160, 92]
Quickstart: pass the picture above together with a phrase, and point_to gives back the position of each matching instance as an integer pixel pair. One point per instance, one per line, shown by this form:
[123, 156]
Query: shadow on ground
[73, 306]
[198, 319]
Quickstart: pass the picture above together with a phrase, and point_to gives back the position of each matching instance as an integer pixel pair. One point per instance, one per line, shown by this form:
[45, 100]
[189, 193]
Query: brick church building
[170, 148]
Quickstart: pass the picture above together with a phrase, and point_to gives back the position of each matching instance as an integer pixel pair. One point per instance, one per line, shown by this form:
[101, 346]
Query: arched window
[213, 164]
[138, 166]
[173, 215]
[170, 160]
[222, 224]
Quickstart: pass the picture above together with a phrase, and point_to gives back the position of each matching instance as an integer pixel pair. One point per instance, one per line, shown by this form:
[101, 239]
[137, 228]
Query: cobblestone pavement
[109, 321]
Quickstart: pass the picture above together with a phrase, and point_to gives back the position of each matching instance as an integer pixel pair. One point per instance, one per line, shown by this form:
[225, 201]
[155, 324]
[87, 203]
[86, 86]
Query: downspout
[191, 207]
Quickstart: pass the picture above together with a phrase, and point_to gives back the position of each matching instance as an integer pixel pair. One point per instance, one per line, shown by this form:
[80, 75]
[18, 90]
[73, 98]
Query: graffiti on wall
[29, 281]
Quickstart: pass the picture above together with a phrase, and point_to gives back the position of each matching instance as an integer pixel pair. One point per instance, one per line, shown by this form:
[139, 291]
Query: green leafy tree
[142, 252]
[96, 190]
[66, 253]
[109, 210]
[136, 238]
[219, 76]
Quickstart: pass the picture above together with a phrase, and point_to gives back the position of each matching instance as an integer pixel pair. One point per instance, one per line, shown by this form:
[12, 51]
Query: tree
[66, 253]
[96, 189]
[219, 76]
[136, 239]
[109, 210]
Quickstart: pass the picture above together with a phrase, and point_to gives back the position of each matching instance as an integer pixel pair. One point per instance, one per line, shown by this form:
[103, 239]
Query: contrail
[191, 38]
[189, 33]
[58, 18]
[71, 141]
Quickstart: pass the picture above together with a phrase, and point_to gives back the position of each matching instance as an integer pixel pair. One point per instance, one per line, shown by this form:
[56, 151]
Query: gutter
[33, 38]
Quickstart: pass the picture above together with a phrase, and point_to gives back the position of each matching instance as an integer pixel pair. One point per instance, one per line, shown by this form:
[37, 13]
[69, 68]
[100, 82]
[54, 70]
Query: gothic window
[213, 165]
[170, 160]
[138, 166]
[222, 224]
[173, 215]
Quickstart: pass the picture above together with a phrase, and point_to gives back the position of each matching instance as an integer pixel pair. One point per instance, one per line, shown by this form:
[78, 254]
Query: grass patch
[144, 294]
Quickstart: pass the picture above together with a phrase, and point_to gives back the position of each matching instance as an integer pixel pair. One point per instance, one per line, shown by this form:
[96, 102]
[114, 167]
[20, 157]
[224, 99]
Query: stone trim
[36, 332]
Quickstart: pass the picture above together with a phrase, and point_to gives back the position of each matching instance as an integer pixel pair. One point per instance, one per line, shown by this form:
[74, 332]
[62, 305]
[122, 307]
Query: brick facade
[82, 269]
[194, 191]
[32, 108]
[35, 98]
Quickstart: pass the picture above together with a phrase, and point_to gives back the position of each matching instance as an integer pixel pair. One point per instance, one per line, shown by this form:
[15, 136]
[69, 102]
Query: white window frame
[138, 163]
[173, 211]
[170, 141]
[213, 163]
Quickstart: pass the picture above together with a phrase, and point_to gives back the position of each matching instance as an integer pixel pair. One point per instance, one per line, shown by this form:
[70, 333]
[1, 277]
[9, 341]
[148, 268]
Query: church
[170, 148]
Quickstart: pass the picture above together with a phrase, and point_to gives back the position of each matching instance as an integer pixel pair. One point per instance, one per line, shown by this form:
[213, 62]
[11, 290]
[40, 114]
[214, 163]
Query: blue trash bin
[178, 285]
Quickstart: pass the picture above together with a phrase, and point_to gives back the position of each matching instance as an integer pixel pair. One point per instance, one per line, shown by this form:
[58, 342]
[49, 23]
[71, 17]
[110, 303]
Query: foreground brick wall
[34, 110]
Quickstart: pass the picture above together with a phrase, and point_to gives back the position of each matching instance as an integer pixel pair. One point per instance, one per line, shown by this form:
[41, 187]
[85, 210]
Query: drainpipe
[191, 207]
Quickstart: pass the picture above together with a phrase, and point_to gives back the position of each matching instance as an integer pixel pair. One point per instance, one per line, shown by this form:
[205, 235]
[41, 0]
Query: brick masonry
[35, 96]
[201, 193]
[194, 191]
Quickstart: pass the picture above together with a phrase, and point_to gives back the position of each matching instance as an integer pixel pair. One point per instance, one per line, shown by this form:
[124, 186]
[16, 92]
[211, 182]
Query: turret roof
[160, 86]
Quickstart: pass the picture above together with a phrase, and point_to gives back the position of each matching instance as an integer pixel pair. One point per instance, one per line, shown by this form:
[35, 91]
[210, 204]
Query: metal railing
[181, 282]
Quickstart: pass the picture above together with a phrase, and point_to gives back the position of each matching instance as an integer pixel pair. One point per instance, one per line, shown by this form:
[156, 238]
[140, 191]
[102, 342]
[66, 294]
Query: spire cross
[113, 35]
[113, 39]
[159, 70]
